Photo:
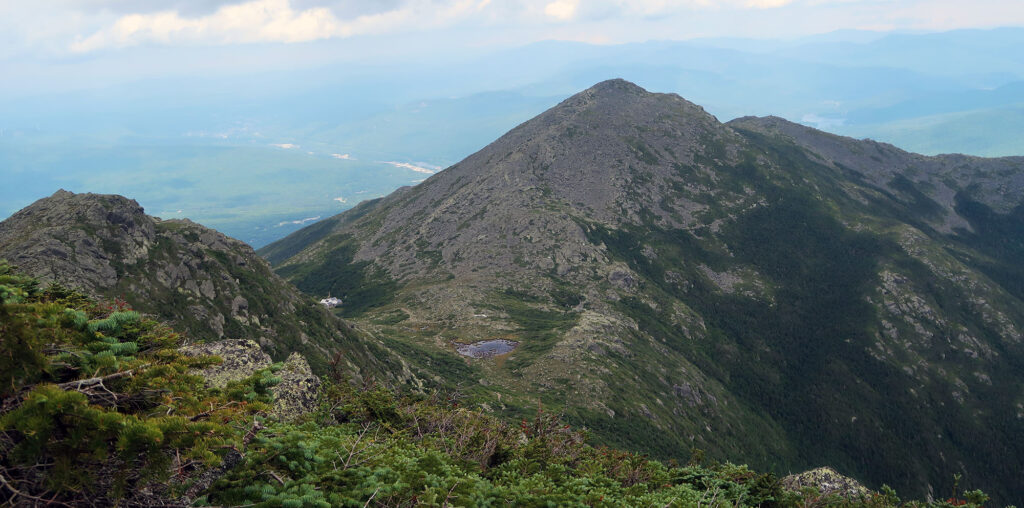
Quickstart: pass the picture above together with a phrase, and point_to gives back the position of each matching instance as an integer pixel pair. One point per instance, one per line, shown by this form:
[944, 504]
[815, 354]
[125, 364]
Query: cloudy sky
[43, 40]
[79, 27]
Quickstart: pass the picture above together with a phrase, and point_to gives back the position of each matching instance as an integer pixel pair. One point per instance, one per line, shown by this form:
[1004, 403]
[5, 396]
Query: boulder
[242, 358]
[297, 392]
[294, 396]
[828, 482]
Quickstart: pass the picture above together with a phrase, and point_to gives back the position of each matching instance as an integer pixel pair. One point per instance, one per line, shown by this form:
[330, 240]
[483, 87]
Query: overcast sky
[48, 39]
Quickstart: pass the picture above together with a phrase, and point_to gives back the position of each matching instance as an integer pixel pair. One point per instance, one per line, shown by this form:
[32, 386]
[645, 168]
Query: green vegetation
[644, 153]
[104, 410]
[401, 451]
[920, 204]
[358, 284]
[1000, 237]
[294, 243]
[97, 402]
[441, 363]
[538, 328]
[371, 447]
[391, 318]
[788, 357]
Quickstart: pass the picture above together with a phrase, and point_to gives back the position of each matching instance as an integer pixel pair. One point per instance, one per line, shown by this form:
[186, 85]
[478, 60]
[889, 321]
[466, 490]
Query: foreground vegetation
[99, 408]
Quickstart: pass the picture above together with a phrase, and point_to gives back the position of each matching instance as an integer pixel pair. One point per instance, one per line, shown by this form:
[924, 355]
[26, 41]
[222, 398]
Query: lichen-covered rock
[297, 392]
[294, 396]
[828, 482]
[241, 357]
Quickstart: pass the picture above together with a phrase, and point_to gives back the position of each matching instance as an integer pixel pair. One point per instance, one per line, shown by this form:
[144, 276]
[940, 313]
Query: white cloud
[341, 200]
[665, 7]
[53, 27]
[767, 4]
[822, 122]
[413, 167]
[299, 222]
[286, 146]
[259, 20]
[254, 21]
[271, 21]
[342, 156]
[561, 9]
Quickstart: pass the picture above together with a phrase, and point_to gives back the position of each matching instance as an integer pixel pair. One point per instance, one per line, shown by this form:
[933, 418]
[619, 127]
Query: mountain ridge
[674, 282]
[829, 146]
[209, 285]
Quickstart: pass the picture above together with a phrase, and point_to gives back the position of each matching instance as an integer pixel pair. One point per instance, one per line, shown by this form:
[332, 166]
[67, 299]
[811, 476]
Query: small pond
[486, 348]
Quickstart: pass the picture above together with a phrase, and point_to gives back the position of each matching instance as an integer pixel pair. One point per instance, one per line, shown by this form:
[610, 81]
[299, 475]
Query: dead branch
[81, 384]
[17, 493]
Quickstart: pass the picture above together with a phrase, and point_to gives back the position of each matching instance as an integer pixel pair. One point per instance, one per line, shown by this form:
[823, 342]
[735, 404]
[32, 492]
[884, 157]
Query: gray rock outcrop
[294, 396]
[828, 482]
[207, 285]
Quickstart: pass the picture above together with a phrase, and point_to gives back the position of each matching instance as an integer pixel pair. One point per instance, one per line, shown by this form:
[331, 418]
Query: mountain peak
[620, 105]
[650, 264]
[87, 233]
[610, 152]
[617, 86]
[64, 207]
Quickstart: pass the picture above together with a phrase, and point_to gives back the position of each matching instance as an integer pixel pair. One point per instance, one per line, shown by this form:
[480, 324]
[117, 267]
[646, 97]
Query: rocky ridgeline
[79, 240]
[996, 182]
[210, 286]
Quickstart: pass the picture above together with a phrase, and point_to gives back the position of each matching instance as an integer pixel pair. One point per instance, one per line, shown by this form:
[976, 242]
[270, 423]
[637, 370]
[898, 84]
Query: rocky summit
[757, 289]
[208, 285]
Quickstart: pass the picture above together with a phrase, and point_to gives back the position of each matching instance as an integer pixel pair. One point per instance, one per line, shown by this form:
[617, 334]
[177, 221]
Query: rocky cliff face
[210, 286]
[758, 289]
[71, 238]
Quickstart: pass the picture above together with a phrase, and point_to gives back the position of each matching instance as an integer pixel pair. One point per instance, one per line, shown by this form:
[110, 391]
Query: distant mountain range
[209, 148]
[757, 289]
